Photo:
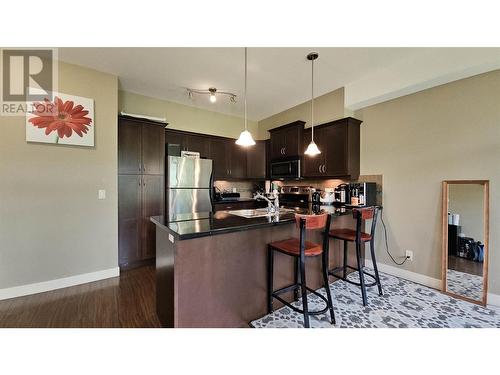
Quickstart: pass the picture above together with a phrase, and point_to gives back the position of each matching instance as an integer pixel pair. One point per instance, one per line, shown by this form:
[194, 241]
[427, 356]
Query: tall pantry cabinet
[141, 188]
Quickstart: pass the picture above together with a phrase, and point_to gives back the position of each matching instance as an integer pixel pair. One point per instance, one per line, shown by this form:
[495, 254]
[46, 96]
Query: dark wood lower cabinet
[139, 198]
[153, 193]
[129, 218]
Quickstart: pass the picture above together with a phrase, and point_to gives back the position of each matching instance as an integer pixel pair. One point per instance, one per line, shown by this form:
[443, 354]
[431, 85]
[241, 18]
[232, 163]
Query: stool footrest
[333, 272]
[276, 294]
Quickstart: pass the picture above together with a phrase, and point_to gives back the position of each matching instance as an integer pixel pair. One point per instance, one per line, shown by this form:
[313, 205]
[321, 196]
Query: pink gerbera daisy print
[63, 117]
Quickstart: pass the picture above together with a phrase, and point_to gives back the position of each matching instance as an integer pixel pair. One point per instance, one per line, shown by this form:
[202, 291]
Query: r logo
[27, 75]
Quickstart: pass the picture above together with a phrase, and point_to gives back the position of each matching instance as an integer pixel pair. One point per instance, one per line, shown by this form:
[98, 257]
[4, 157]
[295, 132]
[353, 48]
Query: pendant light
[245, 138]
[312, 149]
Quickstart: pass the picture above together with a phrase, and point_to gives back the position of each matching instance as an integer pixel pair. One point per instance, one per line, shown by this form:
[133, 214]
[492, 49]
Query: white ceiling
[280, 78]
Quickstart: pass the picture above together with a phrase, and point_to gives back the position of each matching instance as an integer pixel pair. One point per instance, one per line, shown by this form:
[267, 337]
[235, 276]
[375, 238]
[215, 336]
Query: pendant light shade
[245, 138]
[312, 149]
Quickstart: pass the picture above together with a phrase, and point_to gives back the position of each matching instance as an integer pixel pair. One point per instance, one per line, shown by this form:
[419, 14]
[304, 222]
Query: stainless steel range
[296, 196]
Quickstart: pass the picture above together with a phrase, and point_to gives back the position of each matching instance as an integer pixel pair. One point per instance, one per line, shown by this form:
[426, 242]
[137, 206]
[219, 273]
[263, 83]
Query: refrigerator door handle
[211, 194]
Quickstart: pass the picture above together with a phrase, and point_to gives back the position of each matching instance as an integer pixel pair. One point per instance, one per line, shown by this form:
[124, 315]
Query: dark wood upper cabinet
[338, 142]
[287, 140]
[141, 147]
[256, 160]
[219, 155]
[198, 143]
[189, 141]
[129, 147]
[176, 138]
[237, 160]
[335, 146]
[153, 149]
[312, 165]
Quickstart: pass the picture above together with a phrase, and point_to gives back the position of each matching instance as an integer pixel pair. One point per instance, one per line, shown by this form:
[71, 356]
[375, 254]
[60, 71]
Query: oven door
[285, 169]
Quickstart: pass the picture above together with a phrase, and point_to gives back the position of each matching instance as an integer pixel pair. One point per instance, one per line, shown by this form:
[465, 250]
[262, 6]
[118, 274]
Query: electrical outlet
[409, 255]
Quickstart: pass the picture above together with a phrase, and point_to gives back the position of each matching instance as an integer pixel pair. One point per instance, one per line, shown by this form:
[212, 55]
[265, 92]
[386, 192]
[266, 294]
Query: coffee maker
[342, 194]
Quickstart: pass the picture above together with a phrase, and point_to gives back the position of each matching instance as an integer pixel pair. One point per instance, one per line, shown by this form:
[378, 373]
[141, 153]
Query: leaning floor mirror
[465, 239]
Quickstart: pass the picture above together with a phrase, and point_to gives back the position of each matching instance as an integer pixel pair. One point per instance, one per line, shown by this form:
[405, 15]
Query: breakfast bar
[211, 269]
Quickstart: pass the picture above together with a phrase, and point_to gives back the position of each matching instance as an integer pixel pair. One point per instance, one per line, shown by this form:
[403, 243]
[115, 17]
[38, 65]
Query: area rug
[404, 305]
[465, 284]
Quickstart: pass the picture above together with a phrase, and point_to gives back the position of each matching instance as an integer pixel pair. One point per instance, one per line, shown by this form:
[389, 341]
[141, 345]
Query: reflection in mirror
[465, 239]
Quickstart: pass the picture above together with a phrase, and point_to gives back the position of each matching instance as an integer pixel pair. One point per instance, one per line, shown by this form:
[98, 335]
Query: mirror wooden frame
[486, 213]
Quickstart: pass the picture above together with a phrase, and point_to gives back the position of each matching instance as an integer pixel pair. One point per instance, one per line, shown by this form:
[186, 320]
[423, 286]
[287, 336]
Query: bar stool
[358, 237]
[301, 249]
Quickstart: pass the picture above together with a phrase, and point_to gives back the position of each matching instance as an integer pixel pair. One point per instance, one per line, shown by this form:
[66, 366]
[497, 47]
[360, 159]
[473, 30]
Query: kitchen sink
[259, 212]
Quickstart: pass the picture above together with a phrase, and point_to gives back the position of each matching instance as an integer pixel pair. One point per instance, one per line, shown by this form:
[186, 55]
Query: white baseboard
[407, 275]
[493, 299]
[45, 286]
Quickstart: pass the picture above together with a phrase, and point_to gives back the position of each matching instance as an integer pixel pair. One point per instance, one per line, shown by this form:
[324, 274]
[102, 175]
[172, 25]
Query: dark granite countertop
[235, 200]
[220, 222]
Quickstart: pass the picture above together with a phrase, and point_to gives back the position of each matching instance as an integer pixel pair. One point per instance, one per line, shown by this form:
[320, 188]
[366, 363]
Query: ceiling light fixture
[245, 138]
[312, 149]
[213, 98]
[212, 91]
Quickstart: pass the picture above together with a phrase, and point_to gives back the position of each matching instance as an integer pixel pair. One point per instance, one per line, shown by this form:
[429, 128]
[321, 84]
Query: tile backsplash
[332, 183]
[247, 188]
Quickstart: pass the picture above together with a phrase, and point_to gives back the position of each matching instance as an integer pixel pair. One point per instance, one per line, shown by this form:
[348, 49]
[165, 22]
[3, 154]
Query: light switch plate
[101, 194]
[171, 238]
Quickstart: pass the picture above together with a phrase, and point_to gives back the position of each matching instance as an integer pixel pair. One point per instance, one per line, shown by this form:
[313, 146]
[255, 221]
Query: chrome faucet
[272, 207]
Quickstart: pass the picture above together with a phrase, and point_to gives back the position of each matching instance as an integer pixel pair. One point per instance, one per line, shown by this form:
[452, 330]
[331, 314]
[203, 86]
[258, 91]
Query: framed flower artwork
[67, 120]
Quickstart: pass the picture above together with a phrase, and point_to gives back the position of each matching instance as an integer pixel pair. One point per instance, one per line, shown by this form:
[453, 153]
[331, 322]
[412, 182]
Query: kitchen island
[211, 269]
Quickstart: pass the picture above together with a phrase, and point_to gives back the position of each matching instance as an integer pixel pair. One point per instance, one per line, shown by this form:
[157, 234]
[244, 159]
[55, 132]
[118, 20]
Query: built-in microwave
[285, 169]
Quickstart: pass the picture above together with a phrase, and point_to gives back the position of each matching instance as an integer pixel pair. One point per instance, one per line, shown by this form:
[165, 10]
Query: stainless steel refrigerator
[189, 188]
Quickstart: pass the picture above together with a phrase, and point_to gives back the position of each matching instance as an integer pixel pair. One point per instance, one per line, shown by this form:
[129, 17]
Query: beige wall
[51, 223]
[327, 107]
[184, 117]
[447, 132]
[467, 201]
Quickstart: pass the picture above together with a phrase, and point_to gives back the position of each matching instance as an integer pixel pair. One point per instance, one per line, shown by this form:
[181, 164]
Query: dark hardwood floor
[465, 265]
[120, 302]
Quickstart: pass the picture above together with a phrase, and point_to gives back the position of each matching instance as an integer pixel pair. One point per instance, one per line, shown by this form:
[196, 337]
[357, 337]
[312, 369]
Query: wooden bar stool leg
[270, 276]
[296, 279]
[345, 259]
[361, 274]
[375, 268]
[327, 286]
[304, 290]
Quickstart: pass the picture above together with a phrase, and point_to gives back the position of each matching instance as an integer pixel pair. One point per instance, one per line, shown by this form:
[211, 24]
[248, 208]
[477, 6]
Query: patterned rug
[465, 284]
[404, 305]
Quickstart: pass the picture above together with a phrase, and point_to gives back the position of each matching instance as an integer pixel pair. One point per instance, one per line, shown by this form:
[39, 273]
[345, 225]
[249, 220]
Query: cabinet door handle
[324, 168]
[319, 168]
